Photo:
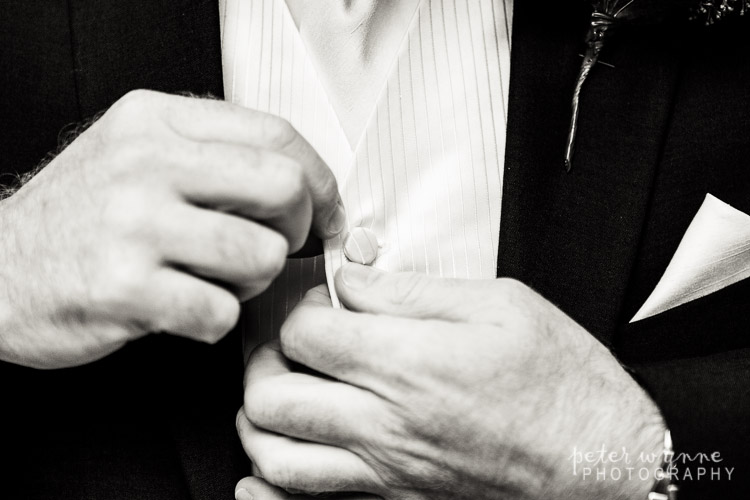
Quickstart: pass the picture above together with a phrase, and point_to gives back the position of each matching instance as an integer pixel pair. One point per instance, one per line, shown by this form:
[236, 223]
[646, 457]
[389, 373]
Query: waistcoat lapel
[166, 45]
[573, 237]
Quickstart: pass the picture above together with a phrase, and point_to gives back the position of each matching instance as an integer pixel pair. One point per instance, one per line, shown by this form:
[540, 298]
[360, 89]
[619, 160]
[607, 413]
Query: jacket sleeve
[706, 404]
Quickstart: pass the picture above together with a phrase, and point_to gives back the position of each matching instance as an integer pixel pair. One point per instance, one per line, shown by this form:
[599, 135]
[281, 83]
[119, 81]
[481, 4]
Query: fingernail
[242, 494]
[357, 277]
[338, 220]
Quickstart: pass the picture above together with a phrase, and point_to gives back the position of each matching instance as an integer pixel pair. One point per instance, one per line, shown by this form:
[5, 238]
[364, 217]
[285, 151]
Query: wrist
[620, 469]
[12, 320]
[647, 464]
[619, 448]
[6, 311]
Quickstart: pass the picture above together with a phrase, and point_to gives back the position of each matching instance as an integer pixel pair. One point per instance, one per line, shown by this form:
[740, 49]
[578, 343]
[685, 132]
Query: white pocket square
[713, 254]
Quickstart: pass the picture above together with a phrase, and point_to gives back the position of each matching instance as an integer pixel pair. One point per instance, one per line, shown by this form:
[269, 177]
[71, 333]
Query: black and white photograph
[374, 249]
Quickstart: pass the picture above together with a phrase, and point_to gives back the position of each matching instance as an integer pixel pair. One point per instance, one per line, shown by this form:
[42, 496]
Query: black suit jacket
[665, 126]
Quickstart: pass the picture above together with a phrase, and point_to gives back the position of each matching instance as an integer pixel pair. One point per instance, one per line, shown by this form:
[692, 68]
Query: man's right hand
[161, 217]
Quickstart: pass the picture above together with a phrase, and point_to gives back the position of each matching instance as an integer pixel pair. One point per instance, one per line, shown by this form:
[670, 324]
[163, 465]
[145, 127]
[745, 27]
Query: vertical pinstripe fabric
[426, 174]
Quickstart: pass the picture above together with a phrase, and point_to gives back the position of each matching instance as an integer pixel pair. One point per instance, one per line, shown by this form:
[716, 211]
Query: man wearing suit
[656, 135]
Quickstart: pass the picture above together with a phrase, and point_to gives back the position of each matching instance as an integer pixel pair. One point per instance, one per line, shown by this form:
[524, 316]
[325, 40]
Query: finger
[256, 184]
[267, 359]
[184, 305]
[293, 464]
[414, 295]
[354, 347]
[223, 247]
[255, 488]
[313, 408]
[318, 296]
[218, 121]
[312, 248]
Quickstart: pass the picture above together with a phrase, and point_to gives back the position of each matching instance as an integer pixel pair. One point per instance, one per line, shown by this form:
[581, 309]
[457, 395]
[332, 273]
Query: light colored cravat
[426, 174]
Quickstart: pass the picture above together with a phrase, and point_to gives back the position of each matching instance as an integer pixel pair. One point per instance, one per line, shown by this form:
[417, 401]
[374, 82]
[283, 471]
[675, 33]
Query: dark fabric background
[666, 125]
[155, 420]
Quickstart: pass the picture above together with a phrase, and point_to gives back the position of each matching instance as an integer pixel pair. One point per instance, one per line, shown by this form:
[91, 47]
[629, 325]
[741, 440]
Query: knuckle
[309, 328]
[138, 99]
[121, 287]
[326, 185]
[133, 104]
[263, 350]
[275, 469]
[514, 291]
[509, 284]
[221, 316]
[292, 177]
[284, 180]
[257, 403]
[270, 257]
[291, 329]
[288, 179]
[137, 96]
[252, 157]
[232, 244]
[132, 114]
[253, 289]
[277, 132]
[129, 212]
[137, 154]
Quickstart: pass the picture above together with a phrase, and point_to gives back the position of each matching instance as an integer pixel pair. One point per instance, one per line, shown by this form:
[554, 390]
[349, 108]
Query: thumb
[414, 295]
[329, 216]
[255, 488]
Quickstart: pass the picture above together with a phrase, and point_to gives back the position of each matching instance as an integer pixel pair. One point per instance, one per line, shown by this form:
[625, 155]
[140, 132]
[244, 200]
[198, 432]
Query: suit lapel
[573, 237]
[166, 45]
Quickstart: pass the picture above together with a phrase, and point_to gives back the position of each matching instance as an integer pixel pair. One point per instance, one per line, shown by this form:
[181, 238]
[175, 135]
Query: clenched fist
[161, 217]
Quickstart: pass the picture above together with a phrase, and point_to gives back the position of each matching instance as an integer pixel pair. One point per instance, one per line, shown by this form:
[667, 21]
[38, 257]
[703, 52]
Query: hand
[438, 389]
[161, 217]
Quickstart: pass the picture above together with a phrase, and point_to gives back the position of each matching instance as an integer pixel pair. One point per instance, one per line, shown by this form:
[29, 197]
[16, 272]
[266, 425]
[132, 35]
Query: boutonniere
[609, 15]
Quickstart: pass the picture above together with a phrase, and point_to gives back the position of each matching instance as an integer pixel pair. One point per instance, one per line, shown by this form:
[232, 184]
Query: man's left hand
[433, 388]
